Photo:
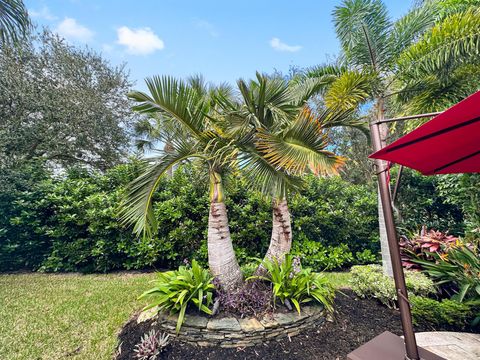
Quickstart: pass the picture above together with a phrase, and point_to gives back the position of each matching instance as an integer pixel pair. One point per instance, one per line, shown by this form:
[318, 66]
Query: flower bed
[231, 331]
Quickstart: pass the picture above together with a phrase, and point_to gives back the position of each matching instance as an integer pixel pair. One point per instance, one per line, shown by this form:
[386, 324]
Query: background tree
[14, 21]
[387, 64]
[61, 104]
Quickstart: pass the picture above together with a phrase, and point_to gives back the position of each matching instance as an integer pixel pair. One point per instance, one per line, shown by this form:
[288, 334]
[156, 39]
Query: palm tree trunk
[386, 261]
[281, 238]
[221, 256]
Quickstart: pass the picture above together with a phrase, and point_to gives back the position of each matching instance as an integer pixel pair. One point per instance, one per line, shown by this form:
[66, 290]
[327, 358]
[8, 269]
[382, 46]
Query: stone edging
[233, 332]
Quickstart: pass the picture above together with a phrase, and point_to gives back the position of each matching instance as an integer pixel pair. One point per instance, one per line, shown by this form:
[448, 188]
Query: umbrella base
[387, 346]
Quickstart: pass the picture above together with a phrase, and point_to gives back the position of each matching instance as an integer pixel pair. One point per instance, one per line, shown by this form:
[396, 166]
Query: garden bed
[355, 322]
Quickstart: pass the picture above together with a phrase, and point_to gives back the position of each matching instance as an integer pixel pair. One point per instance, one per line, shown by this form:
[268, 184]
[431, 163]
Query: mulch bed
[356, 321]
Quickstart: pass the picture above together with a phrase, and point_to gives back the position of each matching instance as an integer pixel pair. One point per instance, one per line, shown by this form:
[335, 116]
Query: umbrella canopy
[447, 144]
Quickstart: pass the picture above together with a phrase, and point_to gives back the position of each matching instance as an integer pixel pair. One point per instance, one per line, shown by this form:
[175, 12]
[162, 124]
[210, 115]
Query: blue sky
[223, 40]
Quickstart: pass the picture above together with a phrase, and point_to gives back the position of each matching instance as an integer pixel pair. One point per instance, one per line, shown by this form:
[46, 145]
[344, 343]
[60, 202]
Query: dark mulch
[356, 321]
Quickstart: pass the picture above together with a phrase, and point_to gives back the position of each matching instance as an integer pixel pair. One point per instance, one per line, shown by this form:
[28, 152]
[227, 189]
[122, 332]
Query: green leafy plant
[175, 290]
[368, 281]
[456, 272]
[292, 284]
[435, 313]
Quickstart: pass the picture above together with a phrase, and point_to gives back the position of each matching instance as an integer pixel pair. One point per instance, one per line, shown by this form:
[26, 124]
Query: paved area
[451, 345]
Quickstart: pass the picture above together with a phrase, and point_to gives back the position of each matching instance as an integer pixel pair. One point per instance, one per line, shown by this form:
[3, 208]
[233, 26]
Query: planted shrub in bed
[456, 272]
[151, 345]
[368, 281]
[175, 290]
[292, 284]
[437, 313]
[424, 246]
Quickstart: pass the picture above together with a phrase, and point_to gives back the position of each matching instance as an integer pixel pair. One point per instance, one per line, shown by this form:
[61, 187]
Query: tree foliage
[61, 104]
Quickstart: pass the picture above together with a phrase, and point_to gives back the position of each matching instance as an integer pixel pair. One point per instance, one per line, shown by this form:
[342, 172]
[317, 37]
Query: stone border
[231, 332]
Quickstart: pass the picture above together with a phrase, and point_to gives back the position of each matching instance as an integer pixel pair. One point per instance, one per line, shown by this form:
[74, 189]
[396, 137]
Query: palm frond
[14, 21]
[411, 26]
[362, 27]
[266, 178]
[136, 208]
[302, 147]
[176, 99]
[349, 90]
[452, 42]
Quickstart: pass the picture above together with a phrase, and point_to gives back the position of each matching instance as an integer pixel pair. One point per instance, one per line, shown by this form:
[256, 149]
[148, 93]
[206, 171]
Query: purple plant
[252, 299]
[151, 345]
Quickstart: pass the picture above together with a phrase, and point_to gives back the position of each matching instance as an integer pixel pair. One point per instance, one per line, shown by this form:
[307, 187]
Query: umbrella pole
[398, 275]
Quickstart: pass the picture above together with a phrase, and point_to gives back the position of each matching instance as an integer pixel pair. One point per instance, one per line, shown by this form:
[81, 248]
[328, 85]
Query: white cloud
[139, 41]
[43, 13]
[209, 27]
[276, 44]
[71, 30]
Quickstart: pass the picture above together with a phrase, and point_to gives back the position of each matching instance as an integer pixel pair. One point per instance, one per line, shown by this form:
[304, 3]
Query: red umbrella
[447, 144]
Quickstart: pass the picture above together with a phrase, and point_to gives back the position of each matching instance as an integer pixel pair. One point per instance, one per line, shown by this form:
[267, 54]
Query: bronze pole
[402, 296]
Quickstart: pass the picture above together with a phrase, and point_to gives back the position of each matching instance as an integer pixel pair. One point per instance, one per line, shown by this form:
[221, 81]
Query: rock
[228, 323]
[269, 322]
[284, 319]
[147, 315]
[195, 321]
[251, 325]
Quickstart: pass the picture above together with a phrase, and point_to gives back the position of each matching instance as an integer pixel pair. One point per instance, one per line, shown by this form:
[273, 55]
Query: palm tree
[420, 58]
[280, 140]
[194, 133]
[14, 21]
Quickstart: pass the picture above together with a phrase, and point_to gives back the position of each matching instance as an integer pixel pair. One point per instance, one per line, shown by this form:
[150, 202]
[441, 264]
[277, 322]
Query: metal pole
[409, 117]
[402, 297]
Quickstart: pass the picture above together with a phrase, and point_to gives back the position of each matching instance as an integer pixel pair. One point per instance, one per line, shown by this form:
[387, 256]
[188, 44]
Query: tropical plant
[194, 132]
[279, 140]
[175, 290]
[421, 59]
[151, 345]
[14, 21]
[292, 284]
[457, 272]
[423, 246]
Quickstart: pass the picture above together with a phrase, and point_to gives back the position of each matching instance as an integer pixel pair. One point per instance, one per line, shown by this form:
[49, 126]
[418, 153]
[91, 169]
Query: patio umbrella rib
[454, 162]
[431, 135]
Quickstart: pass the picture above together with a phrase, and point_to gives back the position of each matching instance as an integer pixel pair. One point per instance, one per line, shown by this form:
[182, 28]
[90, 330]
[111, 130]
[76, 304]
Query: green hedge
[69, 223]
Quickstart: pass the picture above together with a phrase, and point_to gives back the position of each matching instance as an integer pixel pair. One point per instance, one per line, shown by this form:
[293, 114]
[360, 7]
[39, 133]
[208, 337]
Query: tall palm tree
[14, 21]
[280, 140]
[194, 133]
[420, 58]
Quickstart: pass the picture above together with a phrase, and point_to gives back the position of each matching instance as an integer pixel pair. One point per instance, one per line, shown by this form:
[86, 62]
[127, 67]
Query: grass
[65, 316]
[45, 316]
[338, 279]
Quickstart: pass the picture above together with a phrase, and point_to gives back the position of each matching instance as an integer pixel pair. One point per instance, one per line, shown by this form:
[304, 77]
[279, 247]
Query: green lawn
[71, 316]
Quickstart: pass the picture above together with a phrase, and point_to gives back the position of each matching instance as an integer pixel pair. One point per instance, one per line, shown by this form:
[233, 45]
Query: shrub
[423, 246]
[177, 289]
[151, 345]
[68, 222]
[318, 256]
[368, 281]
[436, 313]
[457, 272]
[292, 284]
